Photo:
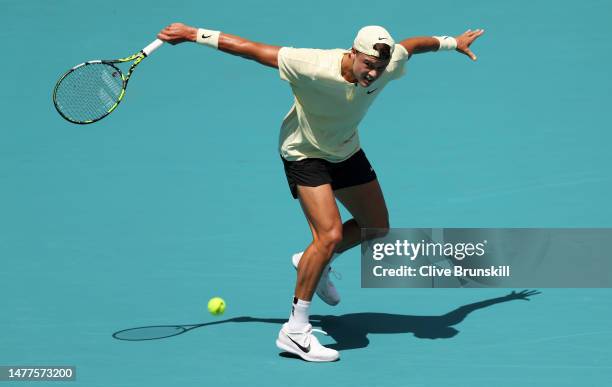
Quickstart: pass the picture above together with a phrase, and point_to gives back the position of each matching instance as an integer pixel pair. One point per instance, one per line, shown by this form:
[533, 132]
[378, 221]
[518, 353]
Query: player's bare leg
[367, 205]
[296, 336]
[321, 211]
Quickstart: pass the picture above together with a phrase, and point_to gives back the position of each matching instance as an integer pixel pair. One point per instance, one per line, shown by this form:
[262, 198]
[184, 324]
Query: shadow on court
[350, 331]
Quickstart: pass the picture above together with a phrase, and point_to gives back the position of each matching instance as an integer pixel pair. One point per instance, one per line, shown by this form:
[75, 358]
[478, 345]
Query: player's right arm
[263, 53]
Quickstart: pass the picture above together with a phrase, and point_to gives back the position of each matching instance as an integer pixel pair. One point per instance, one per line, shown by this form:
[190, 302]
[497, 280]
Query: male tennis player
[319, 147]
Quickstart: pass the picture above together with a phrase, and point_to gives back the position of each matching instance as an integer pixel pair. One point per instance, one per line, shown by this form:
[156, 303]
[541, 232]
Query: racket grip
[152, 47]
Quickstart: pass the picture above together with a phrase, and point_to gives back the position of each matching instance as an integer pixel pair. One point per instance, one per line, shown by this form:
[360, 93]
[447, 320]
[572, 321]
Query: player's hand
[177, 33]
[465, 40]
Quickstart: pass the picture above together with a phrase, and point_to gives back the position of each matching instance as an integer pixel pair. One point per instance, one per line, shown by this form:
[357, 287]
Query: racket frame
[136, 58]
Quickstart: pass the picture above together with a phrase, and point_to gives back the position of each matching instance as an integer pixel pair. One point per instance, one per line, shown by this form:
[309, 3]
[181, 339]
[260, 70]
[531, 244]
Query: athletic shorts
[314, 172]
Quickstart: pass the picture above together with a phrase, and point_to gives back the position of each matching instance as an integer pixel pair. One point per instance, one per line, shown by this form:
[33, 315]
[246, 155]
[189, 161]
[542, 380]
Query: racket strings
[89, 92]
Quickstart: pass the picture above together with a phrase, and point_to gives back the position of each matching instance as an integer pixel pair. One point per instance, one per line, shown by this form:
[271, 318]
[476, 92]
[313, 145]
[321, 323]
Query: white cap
[368, 36]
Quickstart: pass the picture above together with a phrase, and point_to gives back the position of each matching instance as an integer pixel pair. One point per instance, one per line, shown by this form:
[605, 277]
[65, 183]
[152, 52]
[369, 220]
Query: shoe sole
[303, 355]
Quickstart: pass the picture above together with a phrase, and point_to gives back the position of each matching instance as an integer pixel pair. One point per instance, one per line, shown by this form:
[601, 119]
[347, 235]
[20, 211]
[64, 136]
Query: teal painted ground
[180, 195]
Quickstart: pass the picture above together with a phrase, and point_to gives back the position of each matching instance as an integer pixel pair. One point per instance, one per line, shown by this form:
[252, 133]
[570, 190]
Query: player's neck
[346, 69]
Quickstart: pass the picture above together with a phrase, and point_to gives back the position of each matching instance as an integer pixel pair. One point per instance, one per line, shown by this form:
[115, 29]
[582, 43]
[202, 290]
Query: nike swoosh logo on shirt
[371, 91]
[382, 38]
[304, 349]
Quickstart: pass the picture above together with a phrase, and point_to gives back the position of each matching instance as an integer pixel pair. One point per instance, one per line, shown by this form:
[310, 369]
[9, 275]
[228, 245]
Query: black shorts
[314, 172]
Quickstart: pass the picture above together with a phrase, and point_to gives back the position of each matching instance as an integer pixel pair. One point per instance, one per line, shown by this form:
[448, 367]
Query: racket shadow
[157, 332]
[350, 331]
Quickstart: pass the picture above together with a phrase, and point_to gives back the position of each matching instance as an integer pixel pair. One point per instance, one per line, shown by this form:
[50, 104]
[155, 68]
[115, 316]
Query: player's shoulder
[312, 56]
[399, 53]
[397, 66]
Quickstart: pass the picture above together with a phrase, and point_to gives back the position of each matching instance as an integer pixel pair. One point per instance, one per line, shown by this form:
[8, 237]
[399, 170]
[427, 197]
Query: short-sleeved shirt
[323, 121]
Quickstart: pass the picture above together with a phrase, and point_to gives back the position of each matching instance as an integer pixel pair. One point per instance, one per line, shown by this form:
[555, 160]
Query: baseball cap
[368, 36]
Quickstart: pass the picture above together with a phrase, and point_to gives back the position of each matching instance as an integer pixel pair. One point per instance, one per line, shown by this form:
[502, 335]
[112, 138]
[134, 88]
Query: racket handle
[152, 47]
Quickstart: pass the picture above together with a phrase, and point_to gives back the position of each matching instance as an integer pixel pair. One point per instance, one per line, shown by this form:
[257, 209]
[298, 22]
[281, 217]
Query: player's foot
[304, 344]
[325, 289]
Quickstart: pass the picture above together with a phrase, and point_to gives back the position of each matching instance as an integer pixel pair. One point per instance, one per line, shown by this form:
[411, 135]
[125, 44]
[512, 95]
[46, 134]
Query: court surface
[180, 195]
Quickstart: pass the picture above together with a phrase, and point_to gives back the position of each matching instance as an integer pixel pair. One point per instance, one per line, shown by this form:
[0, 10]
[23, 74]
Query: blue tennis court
[180, 195]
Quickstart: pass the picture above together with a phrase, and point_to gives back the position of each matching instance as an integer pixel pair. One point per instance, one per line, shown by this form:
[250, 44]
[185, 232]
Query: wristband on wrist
[446, 43]
[208, 37]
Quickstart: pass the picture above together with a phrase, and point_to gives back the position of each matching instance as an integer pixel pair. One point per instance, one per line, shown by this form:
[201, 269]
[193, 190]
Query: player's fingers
[166, 38]
[469, 53]
[472, 33]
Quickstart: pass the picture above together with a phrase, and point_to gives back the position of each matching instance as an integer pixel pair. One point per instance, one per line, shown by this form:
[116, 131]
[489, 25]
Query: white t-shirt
[325, 115]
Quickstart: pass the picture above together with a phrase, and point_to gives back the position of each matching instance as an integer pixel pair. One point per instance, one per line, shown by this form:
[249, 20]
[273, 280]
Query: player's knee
[382, 230]
[385, 226]
[381, 223]
[377, 228]
[329, 239]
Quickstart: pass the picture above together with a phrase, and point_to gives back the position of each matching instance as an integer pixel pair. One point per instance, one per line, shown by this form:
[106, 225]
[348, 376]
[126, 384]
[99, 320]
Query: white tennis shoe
[304, 344]
[325, 289]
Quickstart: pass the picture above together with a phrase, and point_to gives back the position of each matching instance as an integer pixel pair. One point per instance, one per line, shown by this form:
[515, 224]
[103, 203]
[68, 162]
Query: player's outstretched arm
[265, 54]
[459, 43]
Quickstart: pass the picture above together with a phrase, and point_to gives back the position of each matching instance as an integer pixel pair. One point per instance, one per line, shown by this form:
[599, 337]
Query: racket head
[89, 91]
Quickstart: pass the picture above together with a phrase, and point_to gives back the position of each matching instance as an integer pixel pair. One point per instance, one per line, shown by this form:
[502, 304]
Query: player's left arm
[421, 44]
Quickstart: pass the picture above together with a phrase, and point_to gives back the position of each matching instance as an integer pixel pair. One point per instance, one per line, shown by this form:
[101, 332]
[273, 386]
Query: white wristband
[208, 37]
[446, 43]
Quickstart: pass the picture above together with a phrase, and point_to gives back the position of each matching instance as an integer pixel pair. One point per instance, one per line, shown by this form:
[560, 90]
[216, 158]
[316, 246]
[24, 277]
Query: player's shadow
[350, 331]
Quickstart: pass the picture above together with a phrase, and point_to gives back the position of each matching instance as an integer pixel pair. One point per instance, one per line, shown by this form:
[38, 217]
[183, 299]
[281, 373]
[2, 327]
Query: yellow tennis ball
[216, 306]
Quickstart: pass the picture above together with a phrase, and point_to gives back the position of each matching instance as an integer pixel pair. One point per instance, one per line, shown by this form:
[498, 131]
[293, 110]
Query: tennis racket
[92, 90]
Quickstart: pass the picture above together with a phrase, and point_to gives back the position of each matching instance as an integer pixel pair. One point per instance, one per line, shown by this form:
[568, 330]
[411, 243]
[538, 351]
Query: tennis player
[320, 150]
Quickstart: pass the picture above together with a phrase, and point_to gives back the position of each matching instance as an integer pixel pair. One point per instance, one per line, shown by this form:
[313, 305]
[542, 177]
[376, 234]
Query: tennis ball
[216, 306]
